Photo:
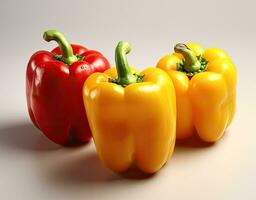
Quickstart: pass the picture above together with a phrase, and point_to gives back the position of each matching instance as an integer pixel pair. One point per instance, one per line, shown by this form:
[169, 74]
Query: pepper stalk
[191, 64]
[125, 76]
[68, 56]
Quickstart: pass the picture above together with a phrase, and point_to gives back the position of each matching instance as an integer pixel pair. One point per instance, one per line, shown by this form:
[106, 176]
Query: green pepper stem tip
[68, 56]
[191, 63]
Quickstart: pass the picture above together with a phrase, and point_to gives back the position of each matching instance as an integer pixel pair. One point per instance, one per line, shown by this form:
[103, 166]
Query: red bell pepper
[54, 83]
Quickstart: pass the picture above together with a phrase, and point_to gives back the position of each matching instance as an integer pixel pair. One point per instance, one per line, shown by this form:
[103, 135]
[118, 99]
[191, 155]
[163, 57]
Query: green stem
[68, 56]
[191, 63]
[125, 76]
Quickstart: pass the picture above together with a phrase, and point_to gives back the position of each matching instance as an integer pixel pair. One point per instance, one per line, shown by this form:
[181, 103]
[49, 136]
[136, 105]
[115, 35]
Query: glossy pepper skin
[132, 116]
[205, 85]
[54, 83]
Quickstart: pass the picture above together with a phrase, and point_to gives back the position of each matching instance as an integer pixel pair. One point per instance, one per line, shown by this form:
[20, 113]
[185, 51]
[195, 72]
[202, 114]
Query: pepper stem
[125, 76]
[191, 63]
[68, 56]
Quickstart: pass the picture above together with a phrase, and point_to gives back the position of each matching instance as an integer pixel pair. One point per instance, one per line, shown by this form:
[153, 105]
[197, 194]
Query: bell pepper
[54, 83]
[205, 85]
[132, 116]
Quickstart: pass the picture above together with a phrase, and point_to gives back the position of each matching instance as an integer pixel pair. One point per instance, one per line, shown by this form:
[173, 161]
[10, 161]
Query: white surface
[33, 168]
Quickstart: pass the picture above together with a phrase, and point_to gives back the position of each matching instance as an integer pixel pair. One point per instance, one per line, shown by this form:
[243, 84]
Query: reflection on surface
[24, 136]
[73, 164]
[77, 164]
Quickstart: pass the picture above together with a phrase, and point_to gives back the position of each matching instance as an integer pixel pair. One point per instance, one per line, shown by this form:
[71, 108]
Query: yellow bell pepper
[205, 85]
[132, 116]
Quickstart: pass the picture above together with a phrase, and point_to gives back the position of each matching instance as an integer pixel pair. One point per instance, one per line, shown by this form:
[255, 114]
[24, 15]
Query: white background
[33, 168]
